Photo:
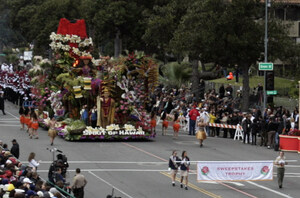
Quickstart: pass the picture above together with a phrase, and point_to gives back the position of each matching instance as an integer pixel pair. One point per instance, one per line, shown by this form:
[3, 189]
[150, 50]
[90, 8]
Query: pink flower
[122, 107]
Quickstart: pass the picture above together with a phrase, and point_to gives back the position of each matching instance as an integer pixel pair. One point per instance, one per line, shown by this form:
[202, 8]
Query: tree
[119, 21]
[161, 23]
[229, 34]
[176, 74]
[38, 18]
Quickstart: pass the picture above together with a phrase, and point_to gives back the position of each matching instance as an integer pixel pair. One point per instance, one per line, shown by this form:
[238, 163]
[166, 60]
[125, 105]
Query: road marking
[129, 145]
[110, 184]
[195, 187]
[111, 170]
[9, 119]
[269, 189]
[167, 160]
[16, 121]
[292, 166]
[9, 125]
[102, 162]
[247, 194]
[13, 115]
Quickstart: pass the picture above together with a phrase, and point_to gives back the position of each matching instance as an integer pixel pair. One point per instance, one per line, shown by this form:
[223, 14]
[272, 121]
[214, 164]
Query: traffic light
[269, 80]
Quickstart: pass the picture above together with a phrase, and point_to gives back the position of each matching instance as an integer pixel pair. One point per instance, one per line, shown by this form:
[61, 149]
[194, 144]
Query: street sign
[265, 66]
[273, 92]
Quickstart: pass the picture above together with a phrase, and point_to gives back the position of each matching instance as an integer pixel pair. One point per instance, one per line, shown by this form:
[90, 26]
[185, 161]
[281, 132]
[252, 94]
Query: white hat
[40, 194]
[26, 180]
[8, 162]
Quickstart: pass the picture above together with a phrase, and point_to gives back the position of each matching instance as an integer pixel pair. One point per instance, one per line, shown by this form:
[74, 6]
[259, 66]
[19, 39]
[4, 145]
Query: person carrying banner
[174, 163]
[184, 169]
[280, 163]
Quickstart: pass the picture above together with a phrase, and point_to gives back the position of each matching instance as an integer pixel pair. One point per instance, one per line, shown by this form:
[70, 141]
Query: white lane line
[10, 125]
[110, 185]
[102, 162]
[13, 115]
[112, 170]
[292, 166]
[269, 189]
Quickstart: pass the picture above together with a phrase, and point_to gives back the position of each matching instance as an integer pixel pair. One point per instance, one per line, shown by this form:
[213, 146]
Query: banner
[235, 170]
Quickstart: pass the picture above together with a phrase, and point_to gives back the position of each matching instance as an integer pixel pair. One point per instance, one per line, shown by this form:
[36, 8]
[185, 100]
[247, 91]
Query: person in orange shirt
[34, 125]
[176, 126]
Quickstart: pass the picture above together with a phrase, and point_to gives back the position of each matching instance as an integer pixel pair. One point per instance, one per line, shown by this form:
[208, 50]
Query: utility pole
[268, 4]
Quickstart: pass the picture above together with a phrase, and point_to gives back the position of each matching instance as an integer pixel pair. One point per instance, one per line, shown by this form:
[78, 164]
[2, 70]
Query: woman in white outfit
[32, 162]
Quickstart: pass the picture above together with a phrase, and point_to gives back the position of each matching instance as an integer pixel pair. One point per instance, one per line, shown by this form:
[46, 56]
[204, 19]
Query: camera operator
[64, 165]
[56, 165]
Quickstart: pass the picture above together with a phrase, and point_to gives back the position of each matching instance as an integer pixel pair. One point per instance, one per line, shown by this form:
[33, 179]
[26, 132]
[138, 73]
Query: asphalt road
[140, 169]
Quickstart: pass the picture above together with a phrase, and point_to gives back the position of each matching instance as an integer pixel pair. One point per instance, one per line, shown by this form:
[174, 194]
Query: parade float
[76, 88]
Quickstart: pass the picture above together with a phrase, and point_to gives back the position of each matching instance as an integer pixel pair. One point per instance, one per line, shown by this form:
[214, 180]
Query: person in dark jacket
[184, 169]
[246, 124]
[2, 103]
[255, 129]
[272, 128]
[15, 149]
[174, 163]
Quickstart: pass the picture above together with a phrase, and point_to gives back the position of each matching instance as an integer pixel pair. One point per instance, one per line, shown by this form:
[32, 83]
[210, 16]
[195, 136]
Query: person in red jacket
[193, 114]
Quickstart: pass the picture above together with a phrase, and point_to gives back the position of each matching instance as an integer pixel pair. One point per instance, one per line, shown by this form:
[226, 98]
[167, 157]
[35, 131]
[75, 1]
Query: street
[140, 169]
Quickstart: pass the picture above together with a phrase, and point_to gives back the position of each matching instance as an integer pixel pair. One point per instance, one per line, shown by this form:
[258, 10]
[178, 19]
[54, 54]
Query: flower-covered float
[92, 98]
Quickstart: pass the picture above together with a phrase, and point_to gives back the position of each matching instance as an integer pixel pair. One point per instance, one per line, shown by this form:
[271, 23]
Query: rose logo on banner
[205, 170]
[265, 170]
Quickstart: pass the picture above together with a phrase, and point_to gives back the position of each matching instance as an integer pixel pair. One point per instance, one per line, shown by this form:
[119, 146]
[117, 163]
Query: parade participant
[280, 163]
[79, 182]
[165, 123]
[153, 121]
[201, 135]
[176, 126]
[106, 109]
[174, 163]
[2, 102]
[34, 125]
[193, 114]
[32, 162]
[22, 116]
[93, 116]
[184, 169]
[27, 119]
[52, 132]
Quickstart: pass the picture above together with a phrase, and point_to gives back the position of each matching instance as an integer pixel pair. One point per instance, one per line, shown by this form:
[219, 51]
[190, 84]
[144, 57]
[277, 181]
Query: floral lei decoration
[61, 42]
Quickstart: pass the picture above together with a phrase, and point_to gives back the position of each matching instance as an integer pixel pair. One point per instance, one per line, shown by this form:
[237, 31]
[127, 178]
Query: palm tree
[176, 74]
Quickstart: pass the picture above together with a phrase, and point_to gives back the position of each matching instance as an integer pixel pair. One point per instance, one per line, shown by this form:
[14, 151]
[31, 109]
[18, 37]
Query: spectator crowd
[223, 107]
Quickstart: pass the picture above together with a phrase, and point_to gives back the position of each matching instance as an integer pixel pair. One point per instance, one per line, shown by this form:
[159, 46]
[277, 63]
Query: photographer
[53, 168]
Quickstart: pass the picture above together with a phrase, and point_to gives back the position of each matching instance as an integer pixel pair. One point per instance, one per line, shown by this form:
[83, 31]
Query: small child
[165, 123]
[176, 126]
